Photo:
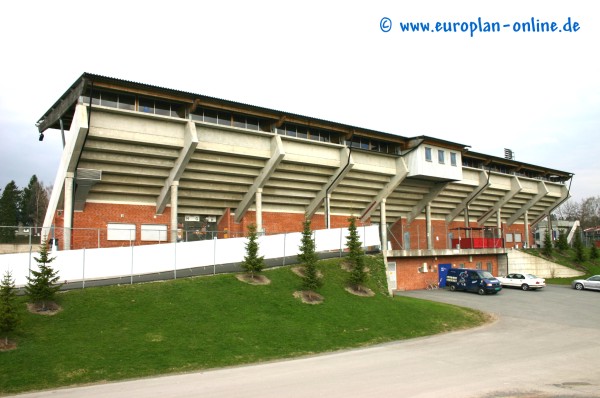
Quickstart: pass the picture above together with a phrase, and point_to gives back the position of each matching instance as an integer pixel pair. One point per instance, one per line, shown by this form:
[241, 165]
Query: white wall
[90, 264]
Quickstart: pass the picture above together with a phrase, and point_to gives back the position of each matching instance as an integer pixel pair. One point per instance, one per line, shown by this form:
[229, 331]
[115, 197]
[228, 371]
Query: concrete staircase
[519, 261]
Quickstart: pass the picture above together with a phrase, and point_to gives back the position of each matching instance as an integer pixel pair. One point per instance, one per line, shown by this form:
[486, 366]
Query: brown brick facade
[90, 226]
[409, 275]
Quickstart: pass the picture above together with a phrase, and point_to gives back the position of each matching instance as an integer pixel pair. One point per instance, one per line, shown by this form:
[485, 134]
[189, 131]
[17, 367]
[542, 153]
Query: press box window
[453, 158]
[428, 154]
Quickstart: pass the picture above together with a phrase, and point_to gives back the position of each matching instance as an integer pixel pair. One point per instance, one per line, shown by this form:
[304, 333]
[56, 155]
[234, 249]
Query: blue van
[472, 280]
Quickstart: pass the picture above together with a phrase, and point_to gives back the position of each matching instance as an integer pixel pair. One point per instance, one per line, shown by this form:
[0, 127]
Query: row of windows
[224, 118]
[441, 156]
[294, 130]
[373, 145]
[128, 102]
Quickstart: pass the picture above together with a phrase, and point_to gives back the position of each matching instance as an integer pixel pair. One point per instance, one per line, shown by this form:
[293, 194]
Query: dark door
[442, 273]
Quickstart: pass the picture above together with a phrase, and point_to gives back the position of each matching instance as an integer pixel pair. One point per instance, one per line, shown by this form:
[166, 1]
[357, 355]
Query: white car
[523, 281]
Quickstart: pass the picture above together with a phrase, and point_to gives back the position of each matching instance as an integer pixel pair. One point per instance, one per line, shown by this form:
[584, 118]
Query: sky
[536, 93]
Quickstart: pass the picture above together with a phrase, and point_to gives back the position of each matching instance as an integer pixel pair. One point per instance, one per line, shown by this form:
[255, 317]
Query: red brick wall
[408, 276]
[516, 228]
[89, 226]
[279, 223]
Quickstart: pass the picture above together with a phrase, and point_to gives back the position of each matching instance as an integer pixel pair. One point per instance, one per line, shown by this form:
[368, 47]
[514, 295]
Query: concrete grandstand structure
[158, 162]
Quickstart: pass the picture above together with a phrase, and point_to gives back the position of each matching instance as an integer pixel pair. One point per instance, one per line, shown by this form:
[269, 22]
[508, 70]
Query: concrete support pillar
[383, 226]
[499, 224]
[258, 204]
[527, 243]
[428, 223]
[328, 211]
[174, 211]
[68, 205]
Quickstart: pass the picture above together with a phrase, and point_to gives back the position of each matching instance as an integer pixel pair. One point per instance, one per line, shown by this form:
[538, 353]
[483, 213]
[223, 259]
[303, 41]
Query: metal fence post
[131, 277]
[30, 247]
[175, 262]
[284, 240]
[215, 256]
[83, 271]
[341, 238]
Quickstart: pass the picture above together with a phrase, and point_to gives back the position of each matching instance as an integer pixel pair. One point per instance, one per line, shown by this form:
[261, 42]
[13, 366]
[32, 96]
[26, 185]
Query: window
[117, 231]
[509, 238]
[157, 107]
[453, 158]
[489, 266]
[110, 99]
[428, 154]
[517, 238]
[478, 265]
[154, 232]
[224, 118]
[440, 156]
[232, 119]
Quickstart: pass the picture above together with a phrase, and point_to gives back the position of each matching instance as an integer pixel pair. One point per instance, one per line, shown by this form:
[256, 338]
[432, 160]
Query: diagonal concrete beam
[483, 184]
[332, 183]
[278, 153]
[516, 187]
[542, 191]
[401, 173]
[427, 199]
[189, 146]
[68, 162]
[564, 195]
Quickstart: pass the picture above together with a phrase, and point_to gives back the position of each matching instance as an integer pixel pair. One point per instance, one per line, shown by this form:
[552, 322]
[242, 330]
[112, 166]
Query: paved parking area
[544, 344]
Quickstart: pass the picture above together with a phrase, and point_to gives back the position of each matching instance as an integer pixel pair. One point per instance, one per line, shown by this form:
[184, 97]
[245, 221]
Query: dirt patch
[360, 291]
[309, 297]
[51, 308]
[253, 280]
[346, 266]
[299, 270]
[7, 345]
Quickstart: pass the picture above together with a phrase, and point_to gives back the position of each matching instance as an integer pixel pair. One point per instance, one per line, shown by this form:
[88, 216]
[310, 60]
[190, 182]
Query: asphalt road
[543, 344]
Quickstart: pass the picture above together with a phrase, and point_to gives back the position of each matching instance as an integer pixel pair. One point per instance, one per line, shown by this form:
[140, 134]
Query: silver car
[593, 283]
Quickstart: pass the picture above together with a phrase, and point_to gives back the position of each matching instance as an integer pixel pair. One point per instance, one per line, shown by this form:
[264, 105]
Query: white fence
[104, 263]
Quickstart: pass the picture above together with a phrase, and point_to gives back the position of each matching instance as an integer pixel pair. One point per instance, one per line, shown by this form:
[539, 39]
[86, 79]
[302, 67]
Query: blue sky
[537, 93]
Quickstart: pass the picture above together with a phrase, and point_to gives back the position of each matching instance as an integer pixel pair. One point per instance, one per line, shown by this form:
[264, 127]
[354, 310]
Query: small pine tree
[356, 258]
[547, 249]
[593, 251]
[561, 243]
[578, 246]
[9, 318]
[253, 263]
[42, 287]
[309, 258]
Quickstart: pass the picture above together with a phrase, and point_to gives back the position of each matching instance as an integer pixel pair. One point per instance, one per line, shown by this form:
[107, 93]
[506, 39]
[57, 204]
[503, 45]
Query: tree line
[25, 207]
[587, 211]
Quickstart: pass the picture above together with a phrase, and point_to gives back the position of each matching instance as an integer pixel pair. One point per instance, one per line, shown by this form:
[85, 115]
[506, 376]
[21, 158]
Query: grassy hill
[129, 331]
[567, 258]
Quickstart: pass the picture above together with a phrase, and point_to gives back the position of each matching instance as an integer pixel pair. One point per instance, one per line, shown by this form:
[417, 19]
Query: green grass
[567, 258]
[131, 331]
